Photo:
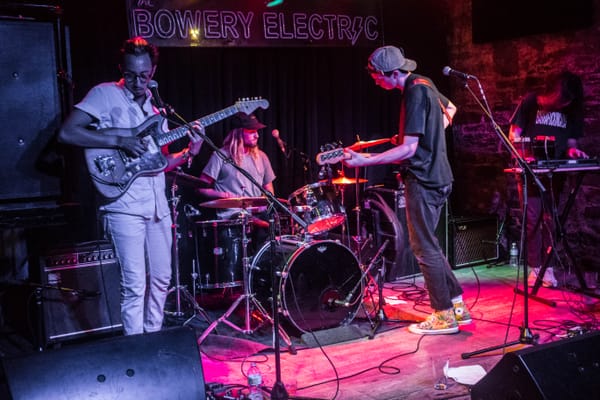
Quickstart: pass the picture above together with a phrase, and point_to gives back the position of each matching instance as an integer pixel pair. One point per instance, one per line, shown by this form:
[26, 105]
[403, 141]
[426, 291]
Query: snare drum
[313, 279]
[319, 206]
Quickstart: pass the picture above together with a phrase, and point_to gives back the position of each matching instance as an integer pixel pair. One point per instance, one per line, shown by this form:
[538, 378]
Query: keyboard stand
[560, 238]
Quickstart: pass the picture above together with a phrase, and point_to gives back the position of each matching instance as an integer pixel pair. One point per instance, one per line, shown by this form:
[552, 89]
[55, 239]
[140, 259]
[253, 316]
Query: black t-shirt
[562, 125]
[423, 117]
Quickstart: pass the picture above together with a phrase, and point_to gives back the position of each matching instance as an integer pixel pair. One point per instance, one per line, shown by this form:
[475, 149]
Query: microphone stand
[525, 336]
[279, 391]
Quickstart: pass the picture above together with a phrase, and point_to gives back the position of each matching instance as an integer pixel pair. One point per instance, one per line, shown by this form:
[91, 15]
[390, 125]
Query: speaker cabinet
[473, 241]
[566, 369]
[81, 292]
[30, 110]
[161, 365]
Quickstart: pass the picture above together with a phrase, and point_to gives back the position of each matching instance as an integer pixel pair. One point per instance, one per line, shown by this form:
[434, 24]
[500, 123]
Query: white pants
[143, 248]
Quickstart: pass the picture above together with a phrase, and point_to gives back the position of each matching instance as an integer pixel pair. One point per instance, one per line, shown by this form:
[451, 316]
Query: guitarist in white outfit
[138, 220]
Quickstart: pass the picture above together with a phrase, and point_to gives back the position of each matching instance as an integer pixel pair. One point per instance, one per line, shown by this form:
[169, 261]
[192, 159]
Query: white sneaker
[549, 280]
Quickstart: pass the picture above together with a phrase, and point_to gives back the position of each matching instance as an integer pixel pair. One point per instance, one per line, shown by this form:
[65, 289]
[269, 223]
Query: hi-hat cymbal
[365, 144]
[342, 180]
[236, 202]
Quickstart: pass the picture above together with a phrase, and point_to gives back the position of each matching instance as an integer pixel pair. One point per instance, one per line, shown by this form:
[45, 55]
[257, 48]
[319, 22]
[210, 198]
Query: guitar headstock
[331, 153]
[248, 105]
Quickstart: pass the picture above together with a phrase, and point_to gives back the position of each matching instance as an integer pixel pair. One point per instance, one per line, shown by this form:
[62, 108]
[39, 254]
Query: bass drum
[314, 280]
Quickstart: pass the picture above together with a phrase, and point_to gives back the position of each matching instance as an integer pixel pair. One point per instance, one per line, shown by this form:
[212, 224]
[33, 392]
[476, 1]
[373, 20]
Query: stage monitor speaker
[473, 241]
[161, 365]
[30, 110]
[565, 369]
[81, 293]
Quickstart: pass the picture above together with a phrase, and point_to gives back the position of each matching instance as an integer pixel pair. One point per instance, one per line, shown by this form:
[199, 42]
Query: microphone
[280, 143]
[153, 86]
[449, 71]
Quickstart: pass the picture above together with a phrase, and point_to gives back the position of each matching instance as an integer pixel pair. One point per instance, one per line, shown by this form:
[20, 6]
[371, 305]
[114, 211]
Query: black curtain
[316, 95]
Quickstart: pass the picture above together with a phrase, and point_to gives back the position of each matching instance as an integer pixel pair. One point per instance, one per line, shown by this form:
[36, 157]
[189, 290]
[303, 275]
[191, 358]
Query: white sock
[457, 299]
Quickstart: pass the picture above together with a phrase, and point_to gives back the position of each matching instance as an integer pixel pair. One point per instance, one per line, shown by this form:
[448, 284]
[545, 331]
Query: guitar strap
[397, 139]
[421, 81]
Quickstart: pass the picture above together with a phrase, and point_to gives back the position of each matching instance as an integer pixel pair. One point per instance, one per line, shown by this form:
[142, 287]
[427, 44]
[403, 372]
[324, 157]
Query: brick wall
[507, 69]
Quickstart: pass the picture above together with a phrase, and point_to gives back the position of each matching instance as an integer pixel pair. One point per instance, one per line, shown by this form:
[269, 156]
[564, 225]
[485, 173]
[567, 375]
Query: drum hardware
[358, 239]
[380, 315]
[346, 301]
[246, 297]
[180, 290]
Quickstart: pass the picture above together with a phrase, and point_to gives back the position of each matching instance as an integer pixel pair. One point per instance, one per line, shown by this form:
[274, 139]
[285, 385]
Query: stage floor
[396, 364]
[342, 362]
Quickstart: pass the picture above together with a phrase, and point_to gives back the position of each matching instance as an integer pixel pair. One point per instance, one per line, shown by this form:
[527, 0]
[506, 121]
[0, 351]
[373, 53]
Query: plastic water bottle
[254, 382]
[513, 259]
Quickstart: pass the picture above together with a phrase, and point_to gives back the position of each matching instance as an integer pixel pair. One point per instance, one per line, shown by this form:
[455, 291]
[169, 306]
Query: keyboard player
[556, 112]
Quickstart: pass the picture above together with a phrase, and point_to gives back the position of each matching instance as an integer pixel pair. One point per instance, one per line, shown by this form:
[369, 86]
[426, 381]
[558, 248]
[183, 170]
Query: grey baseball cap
[389, 58]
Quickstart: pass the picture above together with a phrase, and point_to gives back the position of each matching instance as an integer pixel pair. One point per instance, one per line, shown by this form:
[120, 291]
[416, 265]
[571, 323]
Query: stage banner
[257, 23]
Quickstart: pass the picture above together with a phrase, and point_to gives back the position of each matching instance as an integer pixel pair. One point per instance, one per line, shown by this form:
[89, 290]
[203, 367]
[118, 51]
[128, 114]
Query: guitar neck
[177, 133]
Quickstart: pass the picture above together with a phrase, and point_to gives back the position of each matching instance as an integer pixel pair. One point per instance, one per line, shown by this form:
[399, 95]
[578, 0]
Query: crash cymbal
[343, 180]
[182, 176]
[365, 144]
[236, 202]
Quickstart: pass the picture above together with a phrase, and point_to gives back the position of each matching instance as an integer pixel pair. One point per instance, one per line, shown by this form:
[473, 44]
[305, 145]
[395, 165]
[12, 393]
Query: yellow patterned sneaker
[438, 323]
[462, 314]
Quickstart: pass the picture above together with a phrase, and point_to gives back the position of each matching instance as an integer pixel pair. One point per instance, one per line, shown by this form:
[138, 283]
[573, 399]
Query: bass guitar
[113, 170]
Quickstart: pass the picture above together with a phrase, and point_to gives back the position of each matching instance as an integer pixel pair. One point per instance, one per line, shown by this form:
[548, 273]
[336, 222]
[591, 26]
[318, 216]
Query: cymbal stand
[247, 297]
[358, 239]
[180, 290]
[380, 316]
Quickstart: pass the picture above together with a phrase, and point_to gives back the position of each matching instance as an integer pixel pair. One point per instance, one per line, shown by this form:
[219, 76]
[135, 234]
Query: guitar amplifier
[81, 293]
[473, 241]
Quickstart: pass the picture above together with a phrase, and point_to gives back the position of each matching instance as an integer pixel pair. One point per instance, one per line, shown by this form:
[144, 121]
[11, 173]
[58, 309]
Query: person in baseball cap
[246, 121]
[427, 177]
[390, 58]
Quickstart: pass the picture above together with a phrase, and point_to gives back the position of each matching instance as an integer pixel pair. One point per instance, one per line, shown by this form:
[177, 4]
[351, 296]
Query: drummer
[222, 181]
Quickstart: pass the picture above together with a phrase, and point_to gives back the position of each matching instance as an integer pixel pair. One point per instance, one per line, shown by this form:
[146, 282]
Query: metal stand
[180, 290]
[526, 336]
[559, 237]
[247, 298]
[380, 316]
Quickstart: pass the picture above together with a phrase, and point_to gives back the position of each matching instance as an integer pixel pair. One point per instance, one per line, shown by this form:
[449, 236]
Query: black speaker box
[473, 241]
[566, 369]
[81, 293]
[30, 110]
[161, 365]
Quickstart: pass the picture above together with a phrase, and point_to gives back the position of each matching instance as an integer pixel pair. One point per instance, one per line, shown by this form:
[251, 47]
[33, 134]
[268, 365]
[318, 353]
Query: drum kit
[320, 282]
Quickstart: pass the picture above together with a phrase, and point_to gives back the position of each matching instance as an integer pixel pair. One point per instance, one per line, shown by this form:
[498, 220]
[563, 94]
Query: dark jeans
[423, 209]
[541, 214]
